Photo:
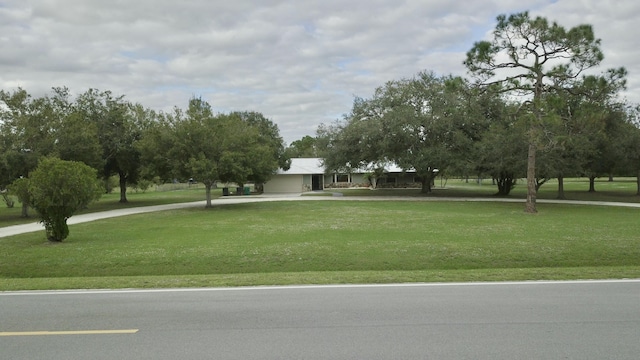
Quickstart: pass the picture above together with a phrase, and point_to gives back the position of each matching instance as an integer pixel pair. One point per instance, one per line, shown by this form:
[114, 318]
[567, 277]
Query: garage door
[284, 184]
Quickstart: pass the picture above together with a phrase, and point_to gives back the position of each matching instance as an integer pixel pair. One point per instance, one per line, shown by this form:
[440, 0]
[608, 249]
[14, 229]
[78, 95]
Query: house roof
[304, 166]
[393, 168]
[314, 166]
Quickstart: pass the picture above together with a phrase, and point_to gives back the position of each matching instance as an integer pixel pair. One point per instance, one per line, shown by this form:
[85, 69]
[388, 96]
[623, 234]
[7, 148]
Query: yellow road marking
[70, 332]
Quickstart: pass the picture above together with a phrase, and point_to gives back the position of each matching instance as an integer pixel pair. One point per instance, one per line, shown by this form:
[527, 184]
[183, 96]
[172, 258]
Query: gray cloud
[299, 63]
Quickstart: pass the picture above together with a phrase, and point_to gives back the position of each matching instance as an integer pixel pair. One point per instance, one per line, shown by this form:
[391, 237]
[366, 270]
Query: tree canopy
[238, 147]
[424, 123]
[532, 107]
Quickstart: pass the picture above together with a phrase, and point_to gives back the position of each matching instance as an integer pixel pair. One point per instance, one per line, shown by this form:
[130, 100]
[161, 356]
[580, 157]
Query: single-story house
[308, 174]
[393, 176]
[304, 174]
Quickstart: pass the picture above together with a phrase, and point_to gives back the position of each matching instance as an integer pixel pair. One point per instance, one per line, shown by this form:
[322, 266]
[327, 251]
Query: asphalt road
[530, 320]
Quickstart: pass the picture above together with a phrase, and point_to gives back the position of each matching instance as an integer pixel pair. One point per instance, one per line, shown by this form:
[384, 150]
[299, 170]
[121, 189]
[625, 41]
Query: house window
[342, 178]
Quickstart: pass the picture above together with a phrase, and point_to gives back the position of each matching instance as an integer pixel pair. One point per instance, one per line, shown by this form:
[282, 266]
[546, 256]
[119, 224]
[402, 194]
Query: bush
[58, 189]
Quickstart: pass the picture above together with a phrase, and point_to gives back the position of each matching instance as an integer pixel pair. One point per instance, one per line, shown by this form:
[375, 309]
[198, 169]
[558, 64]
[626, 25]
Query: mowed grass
[619, 190]
[165, 194]
[296, 242]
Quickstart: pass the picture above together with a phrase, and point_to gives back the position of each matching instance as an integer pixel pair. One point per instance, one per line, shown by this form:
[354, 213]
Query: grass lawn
[319, 242]
[620, 190]
[165, 194]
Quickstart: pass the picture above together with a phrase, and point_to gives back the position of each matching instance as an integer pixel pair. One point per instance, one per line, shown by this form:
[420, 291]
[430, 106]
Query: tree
[156, 143]
[27, 129]
[424, 124]
[236, 147]
[45, 126]
[28, 132]
[303, 148]
[197, 145]
[630, 140]
[421, 127]
[501, 150]
[243, 154]
[617, 149]
[58, 189]
[203, 146]
[119, 129]
[580, 121]
[538, 58]
[76, 136]
[263, 146]
[356, 141]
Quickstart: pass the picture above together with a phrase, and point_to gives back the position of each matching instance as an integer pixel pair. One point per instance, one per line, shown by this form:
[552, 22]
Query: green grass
[620, 190]
[330, 242]
[165, 194]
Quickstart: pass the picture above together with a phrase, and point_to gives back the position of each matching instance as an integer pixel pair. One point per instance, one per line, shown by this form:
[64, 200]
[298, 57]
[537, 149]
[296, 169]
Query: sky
[300, 63]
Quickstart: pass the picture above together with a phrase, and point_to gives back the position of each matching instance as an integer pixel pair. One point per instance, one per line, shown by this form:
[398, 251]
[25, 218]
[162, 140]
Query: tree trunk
[638, 183]
[123, 187]
[561, 187]
[530, 206]
[532, 193]
[25, 210]
[56, 228]
[505, 182]
[610, 178]
[539, 183]
[207, 187]
[592, 183]
[426, 185]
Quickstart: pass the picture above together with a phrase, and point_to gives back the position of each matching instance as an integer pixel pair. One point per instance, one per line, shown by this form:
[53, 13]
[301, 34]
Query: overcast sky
[299, 62]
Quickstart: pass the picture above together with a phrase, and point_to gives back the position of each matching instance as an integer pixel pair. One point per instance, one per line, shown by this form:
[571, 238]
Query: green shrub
[58, 189]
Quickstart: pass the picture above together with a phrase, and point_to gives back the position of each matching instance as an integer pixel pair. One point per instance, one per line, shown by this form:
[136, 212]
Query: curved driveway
[33, 227]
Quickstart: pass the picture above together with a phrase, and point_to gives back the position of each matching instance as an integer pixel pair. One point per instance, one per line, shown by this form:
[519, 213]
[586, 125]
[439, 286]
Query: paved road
[32, 227]
[530, 320]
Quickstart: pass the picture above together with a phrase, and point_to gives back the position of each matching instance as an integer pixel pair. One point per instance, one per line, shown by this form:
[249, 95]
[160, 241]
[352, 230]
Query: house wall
[307, 182]
[358, 179]
[337, 181]
[328, 179]
[307, 175]
[285, 184]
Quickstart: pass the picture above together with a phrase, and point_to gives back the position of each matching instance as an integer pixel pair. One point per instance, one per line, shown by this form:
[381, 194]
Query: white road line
[68, 332]
[303, 287]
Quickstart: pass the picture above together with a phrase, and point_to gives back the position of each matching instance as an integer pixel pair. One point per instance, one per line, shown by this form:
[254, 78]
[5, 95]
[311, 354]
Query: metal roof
[304, 166]
[314, 166]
